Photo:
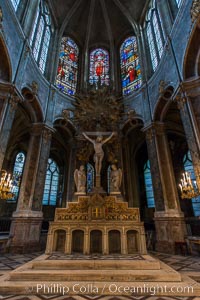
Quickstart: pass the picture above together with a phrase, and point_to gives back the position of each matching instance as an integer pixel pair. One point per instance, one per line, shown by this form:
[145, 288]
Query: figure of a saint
[115, 178]
[80, 179]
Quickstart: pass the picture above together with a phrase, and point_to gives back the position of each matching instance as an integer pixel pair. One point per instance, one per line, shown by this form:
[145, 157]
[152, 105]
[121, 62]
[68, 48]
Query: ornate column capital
[41, 129]
[195, 10]
[154, 129]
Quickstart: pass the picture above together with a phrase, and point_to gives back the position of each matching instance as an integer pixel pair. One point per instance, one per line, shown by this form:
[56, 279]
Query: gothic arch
[5, 64]
[32, 105]
[165, 100]
[192, 55]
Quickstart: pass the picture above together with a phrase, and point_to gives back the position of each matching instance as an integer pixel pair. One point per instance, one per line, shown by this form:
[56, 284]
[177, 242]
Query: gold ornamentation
[195, 10]
[97, 207]
[6, 185]
[97, 110]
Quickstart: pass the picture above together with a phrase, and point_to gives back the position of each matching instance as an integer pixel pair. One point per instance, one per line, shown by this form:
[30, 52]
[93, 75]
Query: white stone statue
[115, 179]
[99, 153]
[80, 179]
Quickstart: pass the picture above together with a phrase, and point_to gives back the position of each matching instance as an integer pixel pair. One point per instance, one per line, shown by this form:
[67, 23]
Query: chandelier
[6, 185]
[189, 188]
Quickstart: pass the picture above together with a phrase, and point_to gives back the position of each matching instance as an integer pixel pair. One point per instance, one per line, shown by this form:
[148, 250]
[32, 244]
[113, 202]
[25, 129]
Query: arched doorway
[77, 241]
[132, 241]
[114, 242]
[60, 240]
[95, 241]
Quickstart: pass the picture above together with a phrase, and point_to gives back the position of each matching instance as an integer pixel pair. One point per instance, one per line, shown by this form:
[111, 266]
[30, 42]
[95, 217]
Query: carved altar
[97, 224]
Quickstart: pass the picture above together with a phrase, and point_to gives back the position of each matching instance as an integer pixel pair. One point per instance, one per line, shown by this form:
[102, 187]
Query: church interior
[99, 148]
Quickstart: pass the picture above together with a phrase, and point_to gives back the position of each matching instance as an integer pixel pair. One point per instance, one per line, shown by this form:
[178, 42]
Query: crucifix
[98, 149]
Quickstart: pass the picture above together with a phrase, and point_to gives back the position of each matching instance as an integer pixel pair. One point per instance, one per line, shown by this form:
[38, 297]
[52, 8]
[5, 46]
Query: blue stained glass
[90, 177]
[15, 4]
[130, 66]
[51, 183]
[66, 80]
[148, 185]
[99, 67]
[17, 175]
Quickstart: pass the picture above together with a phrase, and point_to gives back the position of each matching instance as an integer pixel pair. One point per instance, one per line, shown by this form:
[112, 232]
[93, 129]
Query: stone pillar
[7, 114]
[105, 243]
[86, 249]
[50, 240]
[27, 219]
[169, 219]
[123, 242]
[68, 242]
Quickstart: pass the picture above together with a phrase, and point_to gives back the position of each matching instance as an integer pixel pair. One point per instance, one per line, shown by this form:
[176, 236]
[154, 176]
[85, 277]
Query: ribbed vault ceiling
[97, 22]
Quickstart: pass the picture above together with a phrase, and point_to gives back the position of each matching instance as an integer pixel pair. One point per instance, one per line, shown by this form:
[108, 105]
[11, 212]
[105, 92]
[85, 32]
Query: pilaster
[31, 193]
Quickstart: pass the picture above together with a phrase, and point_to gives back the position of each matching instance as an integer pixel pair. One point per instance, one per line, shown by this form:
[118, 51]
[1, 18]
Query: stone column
[86, 249]
[27, 219]
[68, 242]
[7, 114]
[169, 219]
[123, 242]
[105, 242]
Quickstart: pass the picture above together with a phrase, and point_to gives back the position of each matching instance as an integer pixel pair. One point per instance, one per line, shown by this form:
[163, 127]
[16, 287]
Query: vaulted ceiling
[97, 22]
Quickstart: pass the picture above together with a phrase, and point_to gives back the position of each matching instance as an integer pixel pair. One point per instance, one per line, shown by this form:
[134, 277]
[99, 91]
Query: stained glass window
[148, 185]
[67, 71]
[41, 35]
[130, 66]
[155, 35]
[17, 175]
[152, 48]
[108, 178]
[99, 67]
[178, 2]
[15, 4]
[51, 187]
[90, 177]
[188, 166]
[157, 32]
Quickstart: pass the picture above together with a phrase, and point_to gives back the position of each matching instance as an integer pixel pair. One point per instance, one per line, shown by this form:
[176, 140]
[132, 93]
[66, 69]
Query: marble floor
[188, 265]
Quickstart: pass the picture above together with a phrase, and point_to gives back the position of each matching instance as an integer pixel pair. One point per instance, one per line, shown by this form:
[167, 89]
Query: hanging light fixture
[6, 185]
[189, 188]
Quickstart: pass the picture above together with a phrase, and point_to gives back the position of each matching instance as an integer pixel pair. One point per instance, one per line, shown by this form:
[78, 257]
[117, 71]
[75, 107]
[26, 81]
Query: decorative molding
[13, 101]
[47, 134]
[1, 18]
[195, 10]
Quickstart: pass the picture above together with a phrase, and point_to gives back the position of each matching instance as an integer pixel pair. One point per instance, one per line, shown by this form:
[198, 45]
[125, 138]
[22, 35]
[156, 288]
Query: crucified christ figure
[99, 153]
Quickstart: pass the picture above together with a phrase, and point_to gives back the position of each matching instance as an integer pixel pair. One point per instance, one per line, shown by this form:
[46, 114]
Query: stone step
[166, 275]
[150, 264]
[186, 286]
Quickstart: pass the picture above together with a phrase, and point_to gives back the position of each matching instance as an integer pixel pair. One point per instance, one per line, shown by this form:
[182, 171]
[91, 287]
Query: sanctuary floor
[187, 265]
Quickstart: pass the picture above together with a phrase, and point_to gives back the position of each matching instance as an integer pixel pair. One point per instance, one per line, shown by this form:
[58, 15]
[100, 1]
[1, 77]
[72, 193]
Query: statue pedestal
[77, 194]
[97, 189]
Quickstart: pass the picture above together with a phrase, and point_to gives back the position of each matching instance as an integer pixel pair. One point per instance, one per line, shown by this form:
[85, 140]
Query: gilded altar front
[97, 224]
